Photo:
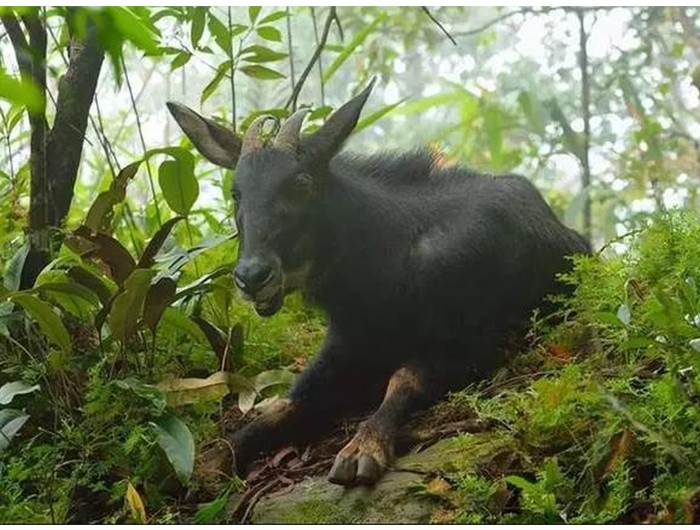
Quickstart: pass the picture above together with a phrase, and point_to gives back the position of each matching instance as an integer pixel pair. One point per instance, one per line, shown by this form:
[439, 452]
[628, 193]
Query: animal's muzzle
[253, 274]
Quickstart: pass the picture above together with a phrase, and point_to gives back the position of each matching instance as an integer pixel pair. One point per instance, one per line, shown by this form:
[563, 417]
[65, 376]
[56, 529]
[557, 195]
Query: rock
[400, 496]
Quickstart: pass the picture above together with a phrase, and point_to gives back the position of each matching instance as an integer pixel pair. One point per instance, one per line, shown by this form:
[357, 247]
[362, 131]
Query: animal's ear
[216, 143]
[325, 142]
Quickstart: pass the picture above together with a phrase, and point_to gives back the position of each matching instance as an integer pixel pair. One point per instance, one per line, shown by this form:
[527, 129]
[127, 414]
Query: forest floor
[597, 421]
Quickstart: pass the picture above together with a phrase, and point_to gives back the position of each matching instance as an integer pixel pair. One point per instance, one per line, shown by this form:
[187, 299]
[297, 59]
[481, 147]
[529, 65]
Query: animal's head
[277, 182]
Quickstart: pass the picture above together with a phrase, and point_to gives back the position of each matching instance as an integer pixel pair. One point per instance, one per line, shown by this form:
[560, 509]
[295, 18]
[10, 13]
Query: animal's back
[451, 251]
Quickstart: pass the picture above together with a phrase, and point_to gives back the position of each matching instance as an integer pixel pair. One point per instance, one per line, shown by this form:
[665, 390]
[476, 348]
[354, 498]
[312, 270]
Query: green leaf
[156, 242]
[272, 17]
[253, 12]
[11, 421]
[351, 46]
[214, 511]
[199, 15]
[369, 120]
[133, 28]
[269, 33]
[91, 281]
[70, 288]
[49, 322]
[159, 297]
[272, 378]
[261, 72]
[260, 54]
[180, 60]
[179, 185]
[220, 32]
[127, 307]
[106, 249]
[16, 388]
[23, 92]
[211, 87]
[176, 441]
[13, 270]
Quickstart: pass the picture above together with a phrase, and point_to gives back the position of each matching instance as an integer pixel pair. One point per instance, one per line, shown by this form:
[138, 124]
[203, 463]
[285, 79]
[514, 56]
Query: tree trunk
[54, 153]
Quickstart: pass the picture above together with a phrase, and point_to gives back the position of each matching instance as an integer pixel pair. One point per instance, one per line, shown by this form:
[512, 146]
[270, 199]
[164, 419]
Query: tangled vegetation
[124, 345]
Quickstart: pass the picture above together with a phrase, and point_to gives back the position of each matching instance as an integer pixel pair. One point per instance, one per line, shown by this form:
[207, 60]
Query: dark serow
[423, 270]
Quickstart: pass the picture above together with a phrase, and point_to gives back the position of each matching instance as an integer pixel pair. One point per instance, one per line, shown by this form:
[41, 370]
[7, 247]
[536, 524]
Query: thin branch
[143, 142]
[439, 25]
[290, 47]
[6, 126]
[320, 59]
[233, 73]
[586, 108]
[493, 22]
[292, 101]
[19, 43]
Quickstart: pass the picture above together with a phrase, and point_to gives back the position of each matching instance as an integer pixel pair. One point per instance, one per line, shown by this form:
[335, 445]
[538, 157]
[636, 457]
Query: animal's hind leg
[364, 459]
[411, 388]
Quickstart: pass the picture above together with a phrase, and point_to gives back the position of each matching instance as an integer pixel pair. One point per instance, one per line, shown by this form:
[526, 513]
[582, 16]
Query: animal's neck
[358, 234]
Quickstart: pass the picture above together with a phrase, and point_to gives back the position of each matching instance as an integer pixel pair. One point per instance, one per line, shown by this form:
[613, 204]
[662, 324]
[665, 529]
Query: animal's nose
[251, 275]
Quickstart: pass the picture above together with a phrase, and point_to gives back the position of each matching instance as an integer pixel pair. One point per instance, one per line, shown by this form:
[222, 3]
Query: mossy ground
[597, 422]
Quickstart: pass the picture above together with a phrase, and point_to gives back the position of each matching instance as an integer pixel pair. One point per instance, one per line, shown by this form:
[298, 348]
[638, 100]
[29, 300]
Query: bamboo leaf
[351, 46]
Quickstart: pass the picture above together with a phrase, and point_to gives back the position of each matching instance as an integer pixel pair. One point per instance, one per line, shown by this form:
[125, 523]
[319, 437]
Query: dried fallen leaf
[136, 506]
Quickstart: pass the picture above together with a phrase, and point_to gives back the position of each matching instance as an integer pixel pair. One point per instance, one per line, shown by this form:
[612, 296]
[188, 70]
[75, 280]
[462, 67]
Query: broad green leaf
[11, 421]
[215, 336]
[16, 388]
[134, 28]
[269, 33]
[261, 54]
[199, 14]
[253, 12]
[261, 72]
[176, 441]
[49, 322]
[106, 249]
[127, 307]
[220, 33]
[23, 92]
[159, 297]
[13, 270]
[351, 46]
[272, 378]
[156, 242]
[272, 17]
[93, 282]
[186, 391]
[179, 185]
[71, 288]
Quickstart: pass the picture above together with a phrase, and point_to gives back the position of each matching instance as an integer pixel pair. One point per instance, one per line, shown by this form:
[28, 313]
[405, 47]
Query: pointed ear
[216, 143]
[325, 142]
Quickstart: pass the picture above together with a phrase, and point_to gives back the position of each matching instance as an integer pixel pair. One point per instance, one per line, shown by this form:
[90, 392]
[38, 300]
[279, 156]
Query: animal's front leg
[364, 459]
[323, 394]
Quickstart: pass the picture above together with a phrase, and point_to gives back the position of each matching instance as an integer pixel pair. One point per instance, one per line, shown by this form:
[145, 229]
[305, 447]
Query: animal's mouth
[270, 305]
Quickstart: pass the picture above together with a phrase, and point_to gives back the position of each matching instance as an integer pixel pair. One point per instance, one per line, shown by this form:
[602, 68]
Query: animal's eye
[300, 186]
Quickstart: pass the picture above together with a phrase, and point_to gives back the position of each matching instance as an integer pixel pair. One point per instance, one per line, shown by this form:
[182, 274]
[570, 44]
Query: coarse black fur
[417, 262]
[424, 270]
